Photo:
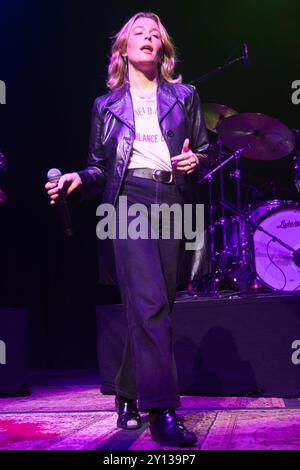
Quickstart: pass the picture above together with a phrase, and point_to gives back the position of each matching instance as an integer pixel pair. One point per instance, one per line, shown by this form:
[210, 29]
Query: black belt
[161, 176]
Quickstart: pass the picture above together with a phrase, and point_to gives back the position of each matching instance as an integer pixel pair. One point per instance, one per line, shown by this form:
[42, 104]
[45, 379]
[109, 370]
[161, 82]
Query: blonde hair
[117, 69]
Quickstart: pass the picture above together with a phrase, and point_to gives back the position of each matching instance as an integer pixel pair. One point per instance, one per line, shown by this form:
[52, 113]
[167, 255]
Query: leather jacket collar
[120, 103]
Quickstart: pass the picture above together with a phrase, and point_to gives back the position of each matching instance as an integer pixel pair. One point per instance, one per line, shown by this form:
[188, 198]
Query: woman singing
[146, 143]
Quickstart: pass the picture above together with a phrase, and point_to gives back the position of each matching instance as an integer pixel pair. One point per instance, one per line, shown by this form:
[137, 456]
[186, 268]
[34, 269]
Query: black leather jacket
[113, 131]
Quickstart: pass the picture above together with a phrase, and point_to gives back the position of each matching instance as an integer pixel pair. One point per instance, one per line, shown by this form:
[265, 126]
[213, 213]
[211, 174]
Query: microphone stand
[219, 69]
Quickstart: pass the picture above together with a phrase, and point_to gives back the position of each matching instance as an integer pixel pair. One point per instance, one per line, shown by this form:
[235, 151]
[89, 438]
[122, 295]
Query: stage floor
[66, 411]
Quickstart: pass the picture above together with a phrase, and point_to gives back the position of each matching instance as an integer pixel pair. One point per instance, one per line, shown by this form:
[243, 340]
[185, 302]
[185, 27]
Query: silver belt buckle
[154, 177]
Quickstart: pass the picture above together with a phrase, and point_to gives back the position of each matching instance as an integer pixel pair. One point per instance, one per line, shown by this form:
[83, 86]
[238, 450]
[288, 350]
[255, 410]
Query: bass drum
[274, 264]
[258, 211]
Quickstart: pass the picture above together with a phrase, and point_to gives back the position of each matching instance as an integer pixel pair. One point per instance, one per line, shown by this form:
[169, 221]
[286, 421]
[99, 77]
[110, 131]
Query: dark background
[53, 59]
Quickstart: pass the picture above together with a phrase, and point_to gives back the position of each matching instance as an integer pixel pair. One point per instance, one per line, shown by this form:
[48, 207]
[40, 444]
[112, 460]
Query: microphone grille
[54, 173]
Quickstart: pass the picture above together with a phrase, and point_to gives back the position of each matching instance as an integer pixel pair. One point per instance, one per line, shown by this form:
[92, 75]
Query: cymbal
[215, 113]
[268, 138]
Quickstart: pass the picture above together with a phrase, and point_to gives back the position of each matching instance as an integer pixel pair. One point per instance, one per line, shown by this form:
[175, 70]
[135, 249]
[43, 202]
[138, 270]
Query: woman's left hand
[187, 161]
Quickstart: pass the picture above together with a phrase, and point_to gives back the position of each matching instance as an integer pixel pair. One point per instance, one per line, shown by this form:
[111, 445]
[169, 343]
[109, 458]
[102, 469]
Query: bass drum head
[274, 263]
[260, 209]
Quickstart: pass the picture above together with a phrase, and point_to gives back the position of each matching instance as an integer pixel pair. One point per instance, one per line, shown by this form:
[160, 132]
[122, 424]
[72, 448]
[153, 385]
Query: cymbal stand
[213, 289]
[240, 258]
[214, 275]
[222, 222]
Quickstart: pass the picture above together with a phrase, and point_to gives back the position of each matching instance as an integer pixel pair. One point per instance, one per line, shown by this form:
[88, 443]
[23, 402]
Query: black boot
[128, 415]
[167, 429]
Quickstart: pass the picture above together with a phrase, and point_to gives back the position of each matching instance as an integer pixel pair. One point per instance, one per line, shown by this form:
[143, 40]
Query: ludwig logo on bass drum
[290, 223]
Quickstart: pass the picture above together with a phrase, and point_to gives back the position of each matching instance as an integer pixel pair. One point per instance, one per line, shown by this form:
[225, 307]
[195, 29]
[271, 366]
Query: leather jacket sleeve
[94, 175]
[199, 139]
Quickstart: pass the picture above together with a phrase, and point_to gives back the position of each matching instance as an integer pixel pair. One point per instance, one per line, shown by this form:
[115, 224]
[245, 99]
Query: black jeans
[147, 272]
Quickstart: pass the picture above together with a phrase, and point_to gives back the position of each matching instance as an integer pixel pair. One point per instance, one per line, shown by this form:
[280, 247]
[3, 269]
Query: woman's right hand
[67, 183]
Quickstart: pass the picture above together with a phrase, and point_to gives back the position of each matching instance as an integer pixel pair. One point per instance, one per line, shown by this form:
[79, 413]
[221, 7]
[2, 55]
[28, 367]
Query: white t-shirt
[149, 147]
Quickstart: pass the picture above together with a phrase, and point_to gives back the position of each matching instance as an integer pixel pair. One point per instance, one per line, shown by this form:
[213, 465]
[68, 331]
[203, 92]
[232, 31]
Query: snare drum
[274, 264]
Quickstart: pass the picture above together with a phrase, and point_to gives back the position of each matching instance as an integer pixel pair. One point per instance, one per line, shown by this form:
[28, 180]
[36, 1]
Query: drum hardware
[222, 266]
[213, 279]
[258, 137]
[234, 174]
[274, 238]
[217, 154]
[224, 256]
[296, 133]
[255, 284]
[271, 140]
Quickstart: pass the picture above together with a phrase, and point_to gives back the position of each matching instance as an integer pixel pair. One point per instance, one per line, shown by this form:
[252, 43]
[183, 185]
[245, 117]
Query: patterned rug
[75, 416]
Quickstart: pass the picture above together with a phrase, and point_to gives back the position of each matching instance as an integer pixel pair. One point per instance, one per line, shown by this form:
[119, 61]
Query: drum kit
[255, 246]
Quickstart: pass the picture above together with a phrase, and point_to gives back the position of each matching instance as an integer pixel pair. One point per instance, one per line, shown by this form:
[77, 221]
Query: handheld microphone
[53, 176]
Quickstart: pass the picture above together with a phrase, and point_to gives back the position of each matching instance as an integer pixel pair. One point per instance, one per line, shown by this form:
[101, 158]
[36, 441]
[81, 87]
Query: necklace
[144, 96]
